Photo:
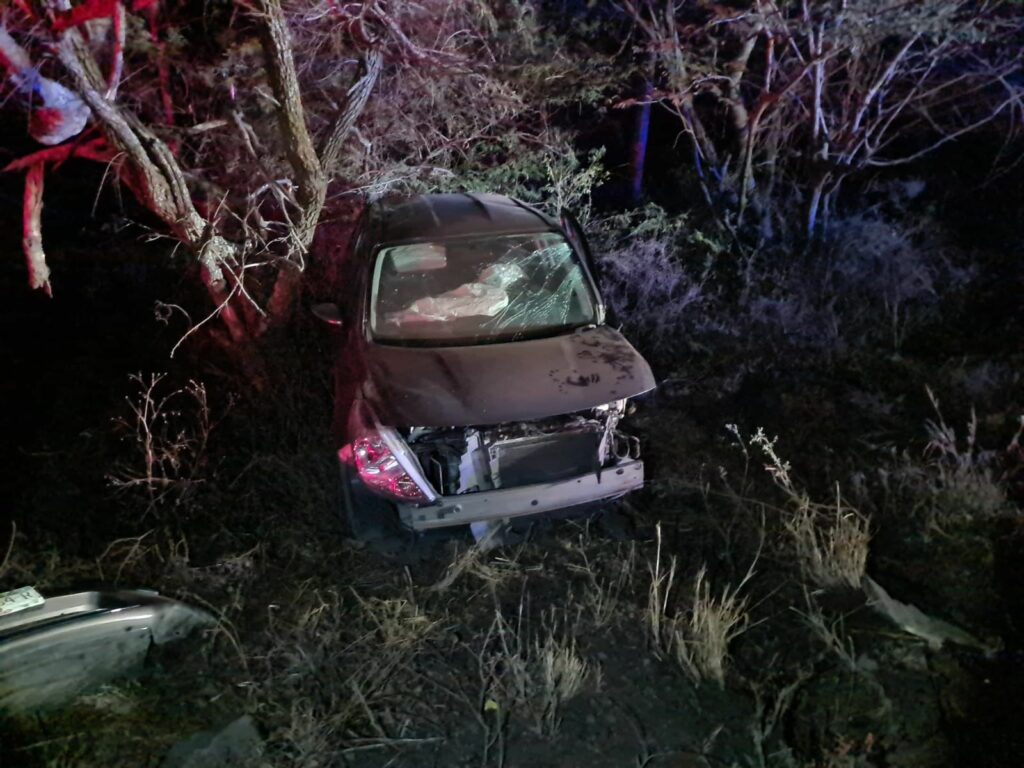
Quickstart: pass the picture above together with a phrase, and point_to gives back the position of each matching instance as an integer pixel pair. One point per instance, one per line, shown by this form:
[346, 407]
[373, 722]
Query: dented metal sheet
[495, 383]
[525, 500]
[52, 652]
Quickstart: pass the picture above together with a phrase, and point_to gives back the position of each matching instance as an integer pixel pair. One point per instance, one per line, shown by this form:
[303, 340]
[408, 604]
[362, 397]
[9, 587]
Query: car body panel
[513, 381]
[507, 503]
[73, 643]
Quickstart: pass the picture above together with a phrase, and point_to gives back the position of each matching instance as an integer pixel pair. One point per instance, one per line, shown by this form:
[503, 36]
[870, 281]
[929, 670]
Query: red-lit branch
[32, 230]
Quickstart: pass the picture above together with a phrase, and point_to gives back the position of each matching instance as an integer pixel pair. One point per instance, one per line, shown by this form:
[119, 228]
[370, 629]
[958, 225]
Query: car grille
[545, 458]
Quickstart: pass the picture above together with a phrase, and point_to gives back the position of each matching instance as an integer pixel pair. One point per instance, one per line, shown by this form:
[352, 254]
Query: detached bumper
[525, 500]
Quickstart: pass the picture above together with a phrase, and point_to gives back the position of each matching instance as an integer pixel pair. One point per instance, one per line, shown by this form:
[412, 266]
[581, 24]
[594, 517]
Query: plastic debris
[911, 619]
[56, 112]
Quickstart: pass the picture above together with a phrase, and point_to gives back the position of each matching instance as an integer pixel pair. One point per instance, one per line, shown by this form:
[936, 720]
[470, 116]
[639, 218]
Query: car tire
[367, 517]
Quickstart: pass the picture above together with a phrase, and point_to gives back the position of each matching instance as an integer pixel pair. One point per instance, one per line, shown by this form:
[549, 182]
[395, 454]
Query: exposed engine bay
[465, 460]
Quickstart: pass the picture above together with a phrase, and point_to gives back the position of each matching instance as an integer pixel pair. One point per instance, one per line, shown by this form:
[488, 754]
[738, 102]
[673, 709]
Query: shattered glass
[482, 289]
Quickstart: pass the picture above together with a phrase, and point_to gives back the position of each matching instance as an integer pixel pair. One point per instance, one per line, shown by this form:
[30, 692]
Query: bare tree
[234, 154]
[804, 93]
[226, 243]
[237, 148]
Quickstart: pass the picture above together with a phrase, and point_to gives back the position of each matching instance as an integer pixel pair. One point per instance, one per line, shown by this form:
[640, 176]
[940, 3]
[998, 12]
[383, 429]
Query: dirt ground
[440, 654]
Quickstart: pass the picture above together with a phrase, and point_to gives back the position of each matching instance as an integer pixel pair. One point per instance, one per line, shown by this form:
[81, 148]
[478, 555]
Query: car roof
[453, 215]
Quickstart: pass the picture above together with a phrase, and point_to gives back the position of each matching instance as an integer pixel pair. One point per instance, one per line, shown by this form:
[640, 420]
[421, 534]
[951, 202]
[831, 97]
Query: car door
[349, 353]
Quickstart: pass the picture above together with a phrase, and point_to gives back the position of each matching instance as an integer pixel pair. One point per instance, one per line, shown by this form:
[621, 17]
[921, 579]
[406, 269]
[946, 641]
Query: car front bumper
[505, 503]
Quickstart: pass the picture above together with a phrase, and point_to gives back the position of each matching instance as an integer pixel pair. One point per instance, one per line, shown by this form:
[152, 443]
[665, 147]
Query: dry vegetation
[723, 623]
[491, 655]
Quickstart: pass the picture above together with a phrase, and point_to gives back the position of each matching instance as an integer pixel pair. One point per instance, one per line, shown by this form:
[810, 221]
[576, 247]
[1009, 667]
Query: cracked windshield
[480, 289]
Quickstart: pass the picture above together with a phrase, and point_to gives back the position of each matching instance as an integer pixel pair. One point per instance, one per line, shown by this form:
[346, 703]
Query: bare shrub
[898, 271]
[650, 260]
[698, 638]
[875, 280]
[830, 540]
[167, 435]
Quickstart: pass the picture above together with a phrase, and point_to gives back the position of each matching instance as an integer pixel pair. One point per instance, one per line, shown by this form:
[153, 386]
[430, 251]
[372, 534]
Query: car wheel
[366, 516]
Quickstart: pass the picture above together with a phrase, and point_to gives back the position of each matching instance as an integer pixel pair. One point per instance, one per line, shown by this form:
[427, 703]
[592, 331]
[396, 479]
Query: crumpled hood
[496, 383]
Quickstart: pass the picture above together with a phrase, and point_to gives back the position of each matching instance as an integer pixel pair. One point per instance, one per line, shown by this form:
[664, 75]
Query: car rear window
[478, 290]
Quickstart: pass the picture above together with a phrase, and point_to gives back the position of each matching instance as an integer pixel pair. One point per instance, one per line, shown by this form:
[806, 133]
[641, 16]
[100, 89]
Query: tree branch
[32, 230]
[310, 181]
[355, 102]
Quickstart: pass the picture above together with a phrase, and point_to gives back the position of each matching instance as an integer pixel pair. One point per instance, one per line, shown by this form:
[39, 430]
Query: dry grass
[537, 676]
[831, 633]
[334, 674]
[703, 635]
[963, 482]
[698, 639]
[400, 624]
[830, 540]
[475, 561]
[603, 594]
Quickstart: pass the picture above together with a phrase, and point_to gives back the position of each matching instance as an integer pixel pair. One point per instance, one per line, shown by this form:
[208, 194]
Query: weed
[537, 675]
[698, 639]
[830, 540]
[168, 435]
[964, 484]
[955, 484]
[603, 595]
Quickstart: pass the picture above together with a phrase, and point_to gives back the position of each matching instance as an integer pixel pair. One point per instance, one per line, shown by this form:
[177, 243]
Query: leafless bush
[830, 540]
[898, 270]
[167, 434]
[775, 97]
[656, 275]
[874, 281]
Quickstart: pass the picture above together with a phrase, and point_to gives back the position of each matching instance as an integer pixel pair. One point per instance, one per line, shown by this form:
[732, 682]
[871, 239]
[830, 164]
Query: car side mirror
[328, 312]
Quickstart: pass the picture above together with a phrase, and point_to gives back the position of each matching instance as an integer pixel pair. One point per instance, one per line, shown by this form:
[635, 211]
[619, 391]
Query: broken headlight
[381, 472]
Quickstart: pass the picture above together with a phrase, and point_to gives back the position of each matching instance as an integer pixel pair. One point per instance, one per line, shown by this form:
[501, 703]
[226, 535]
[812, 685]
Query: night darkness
[511, 383]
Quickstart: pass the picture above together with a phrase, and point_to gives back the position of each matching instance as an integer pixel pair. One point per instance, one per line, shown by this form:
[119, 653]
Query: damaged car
[476, 378]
